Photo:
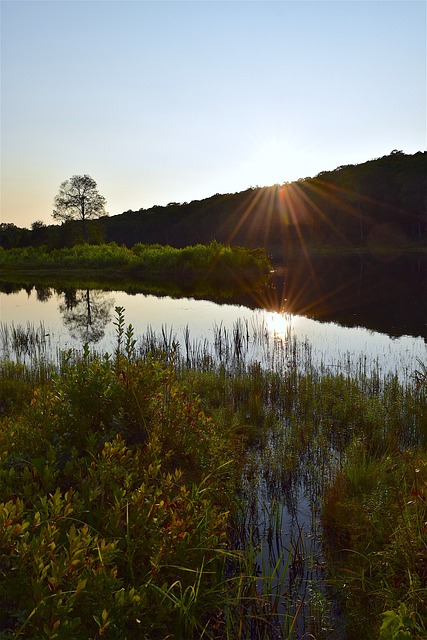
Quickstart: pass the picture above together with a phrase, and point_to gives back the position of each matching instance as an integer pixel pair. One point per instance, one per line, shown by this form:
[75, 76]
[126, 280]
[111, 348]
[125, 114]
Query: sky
[175, 101]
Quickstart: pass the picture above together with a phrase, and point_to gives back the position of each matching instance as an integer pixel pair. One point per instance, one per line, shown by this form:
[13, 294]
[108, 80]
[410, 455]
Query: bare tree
[79, 199]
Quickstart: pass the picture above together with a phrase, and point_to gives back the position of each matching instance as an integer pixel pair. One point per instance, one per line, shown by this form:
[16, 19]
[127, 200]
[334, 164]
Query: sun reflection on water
[279, 325]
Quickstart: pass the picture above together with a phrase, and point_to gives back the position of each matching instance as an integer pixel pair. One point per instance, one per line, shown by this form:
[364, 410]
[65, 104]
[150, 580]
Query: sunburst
[279, 325]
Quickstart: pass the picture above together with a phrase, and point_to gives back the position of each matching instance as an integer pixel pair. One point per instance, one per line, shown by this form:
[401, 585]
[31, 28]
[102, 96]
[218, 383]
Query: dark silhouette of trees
[39, 233]
[37, 225]
[86, 313]
[344, 208]
[12, 236]
[79, 199]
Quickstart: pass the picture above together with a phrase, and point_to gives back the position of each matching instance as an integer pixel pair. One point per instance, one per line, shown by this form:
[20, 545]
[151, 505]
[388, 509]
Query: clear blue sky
[175, 101]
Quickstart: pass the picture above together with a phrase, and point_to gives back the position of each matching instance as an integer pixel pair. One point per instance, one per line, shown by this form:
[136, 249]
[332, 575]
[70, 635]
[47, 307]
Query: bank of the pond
[174, 285]
[128, 483]
[215, 260]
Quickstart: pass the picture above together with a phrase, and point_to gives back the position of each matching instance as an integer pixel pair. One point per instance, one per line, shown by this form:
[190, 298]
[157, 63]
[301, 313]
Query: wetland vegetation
[143, 494]
[158, 490]
[214, 262]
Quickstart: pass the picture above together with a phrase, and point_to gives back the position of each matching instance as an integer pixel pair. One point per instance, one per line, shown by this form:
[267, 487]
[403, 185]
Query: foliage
[214, 261]
[375, 516]
[397, 625]
[130, 487]
[110, 510]
[378, 206]
[79, 199]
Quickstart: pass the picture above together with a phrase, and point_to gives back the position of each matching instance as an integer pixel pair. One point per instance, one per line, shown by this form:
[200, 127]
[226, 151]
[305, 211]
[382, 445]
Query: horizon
[177, 101]
[53, 223]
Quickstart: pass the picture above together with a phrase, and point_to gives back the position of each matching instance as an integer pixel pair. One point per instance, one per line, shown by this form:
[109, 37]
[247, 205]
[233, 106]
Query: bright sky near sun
[176, 101]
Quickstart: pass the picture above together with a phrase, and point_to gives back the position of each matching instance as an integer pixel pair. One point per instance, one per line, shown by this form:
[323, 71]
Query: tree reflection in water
[86, 313]
[43, 294]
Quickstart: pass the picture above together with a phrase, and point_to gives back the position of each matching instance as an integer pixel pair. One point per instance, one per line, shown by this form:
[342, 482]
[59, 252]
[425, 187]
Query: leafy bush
[377, 511]
[119, 477]
[214, 260]
[110, 523]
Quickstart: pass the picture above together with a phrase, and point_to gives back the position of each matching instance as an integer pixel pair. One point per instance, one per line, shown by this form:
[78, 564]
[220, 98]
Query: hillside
[379, 202]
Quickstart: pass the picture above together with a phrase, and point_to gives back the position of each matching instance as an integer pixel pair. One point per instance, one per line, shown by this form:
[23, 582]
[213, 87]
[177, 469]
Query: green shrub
[375, 518]
[214, 260]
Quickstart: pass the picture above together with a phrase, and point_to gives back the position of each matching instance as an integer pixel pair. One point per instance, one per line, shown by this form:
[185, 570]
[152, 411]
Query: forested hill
[382, 201]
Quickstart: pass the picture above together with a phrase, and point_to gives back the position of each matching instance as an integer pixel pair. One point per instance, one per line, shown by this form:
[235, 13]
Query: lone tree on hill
[79, 199]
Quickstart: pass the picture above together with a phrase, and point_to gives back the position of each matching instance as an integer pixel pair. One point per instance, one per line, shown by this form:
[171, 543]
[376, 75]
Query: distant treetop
[79, 199]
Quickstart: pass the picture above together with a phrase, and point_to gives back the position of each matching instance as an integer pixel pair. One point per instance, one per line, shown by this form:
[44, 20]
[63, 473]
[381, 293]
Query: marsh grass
[215, 260]
[24, 341]
[25, 363]
[168, 490]
[375, 519]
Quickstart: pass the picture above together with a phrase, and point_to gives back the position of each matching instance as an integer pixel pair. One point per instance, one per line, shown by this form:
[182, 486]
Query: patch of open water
[89, 317]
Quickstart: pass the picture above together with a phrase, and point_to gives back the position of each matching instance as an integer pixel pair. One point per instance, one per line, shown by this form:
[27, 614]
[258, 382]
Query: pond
[345, 315]
[359, 318]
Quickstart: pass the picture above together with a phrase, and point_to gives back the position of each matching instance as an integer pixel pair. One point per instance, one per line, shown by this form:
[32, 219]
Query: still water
[72, 317]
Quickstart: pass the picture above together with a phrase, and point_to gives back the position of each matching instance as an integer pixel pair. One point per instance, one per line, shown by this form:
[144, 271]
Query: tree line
[379, 202]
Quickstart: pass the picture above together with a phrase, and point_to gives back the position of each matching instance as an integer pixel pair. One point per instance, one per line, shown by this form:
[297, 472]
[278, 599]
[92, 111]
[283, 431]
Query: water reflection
[279, 325]
[43, 293]
[86, 313]
[362, 306]
[357, 290]
[354, 291]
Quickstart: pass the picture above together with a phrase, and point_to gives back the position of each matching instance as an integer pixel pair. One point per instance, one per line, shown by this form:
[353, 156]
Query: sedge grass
[123, 514]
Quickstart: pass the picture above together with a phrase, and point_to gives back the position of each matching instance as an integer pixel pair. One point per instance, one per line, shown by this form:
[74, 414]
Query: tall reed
[198, 490]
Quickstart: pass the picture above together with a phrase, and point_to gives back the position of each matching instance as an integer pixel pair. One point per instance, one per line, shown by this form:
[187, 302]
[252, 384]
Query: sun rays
[292, 219]
[307, 213]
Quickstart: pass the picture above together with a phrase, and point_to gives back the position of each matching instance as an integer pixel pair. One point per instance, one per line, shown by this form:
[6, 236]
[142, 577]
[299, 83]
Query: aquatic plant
[169, 489]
